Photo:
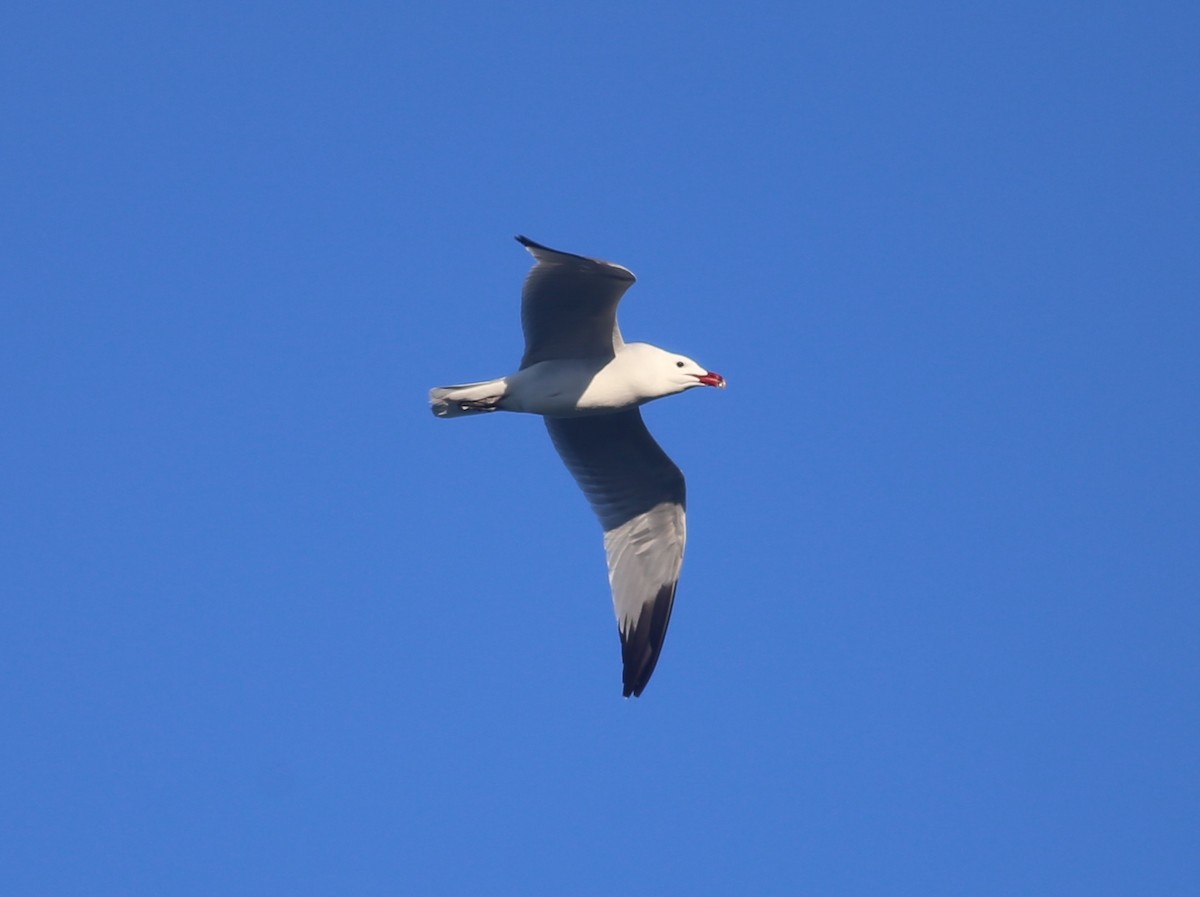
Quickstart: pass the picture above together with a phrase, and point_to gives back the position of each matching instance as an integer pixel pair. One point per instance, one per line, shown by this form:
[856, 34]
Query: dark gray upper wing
[569, 305]
[639, 495]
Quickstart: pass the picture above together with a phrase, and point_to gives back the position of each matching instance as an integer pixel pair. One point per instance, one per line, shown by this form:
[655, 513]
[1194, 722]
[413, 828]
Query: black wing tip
[608, 269]
[641, 647]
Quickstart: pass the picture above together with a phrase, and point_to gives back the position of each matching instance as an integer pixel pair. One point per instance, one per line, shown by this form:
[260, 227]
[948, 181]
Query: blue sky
[271, 628]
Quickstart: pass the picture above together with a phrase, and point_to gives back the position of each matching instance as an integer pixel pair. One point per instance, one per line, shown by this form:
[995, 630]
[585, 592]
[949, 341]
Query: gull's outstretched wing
[569, 305]
[638, 493]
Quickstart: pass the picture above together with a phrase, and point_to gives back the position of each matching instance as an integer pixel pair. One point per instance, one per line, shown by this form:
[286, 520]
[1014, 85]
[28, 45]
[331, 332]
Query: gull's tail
[467, 398]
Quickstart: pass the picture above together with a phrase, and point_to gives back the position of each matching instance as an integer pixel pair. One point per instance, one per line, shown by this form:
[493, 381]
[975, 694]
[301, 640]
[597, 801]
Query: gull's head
[662, 373]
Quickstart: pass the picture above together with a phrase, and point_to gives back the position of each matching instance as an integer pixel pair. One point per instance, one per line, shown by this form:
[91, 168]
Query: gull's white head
[659, 373]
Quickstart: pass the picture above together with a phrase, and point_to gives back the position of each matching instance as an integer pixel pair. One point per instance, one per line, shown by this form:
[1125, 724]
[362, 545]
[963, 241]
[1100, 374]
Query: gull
[587, 383]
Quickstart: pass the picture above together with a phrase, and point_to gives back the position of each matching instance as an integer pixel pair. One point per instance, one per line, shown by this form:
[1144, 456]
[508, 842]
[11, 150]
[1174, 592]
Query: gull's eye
[679, 364]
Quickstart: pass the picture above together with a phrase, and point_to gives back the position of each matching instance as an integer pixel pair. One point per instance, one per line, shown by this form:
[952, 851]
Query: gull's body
[587, 383]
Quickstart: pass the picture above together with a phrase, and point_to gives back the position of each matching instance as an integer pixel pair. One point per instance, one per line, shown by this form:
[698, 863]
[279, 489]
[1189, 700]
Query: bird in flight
[587, 384]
